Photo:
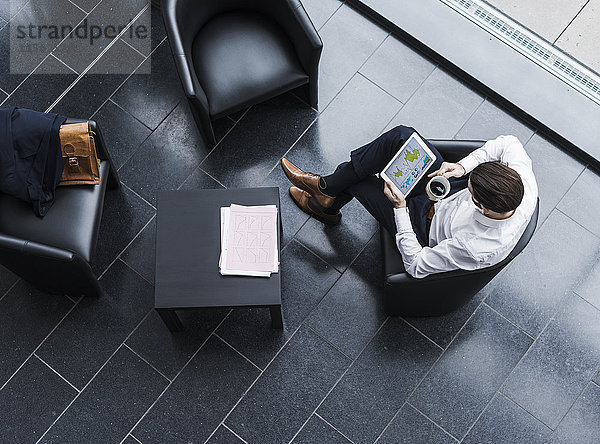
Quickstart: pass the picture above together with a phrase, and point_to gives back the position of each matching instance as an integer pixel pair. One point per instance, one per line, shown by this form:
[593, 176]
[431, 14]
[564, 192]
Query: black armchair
[54, 253]
[231, 54]
[441, 293]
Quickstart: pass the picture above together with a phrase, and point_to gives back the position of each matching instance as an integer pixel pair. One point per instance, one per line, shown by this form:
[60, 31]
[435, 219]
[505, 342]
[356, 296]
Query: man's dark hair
[497, 187]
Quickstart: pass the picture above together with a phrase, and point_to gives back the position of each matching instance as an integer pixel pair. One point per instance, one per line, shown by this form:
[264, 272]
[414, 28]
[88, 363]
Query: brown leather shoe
[308, 182]
[303, 200]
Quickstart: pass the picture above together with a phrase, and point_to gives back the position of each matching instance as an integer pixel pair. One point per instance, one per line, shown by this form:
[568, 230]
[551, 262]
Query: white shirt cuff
[469, 163]
[402, 220]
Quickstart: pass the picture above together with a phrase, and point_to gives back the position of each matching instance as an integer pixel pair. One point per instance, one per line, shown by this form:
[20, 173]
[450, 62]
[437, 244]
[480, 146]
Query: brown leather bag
[81, 165]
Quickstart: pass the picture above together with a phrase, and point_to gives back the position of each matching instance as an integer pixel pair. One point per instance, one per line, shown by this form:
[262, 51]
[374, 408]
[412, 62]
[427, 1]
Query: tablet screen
[409, 165]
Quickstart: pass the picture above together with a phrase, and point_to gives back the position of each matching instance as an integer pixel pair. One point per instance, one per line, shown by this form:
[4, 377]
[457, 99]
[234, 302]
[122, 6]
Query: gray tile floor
[519, 363]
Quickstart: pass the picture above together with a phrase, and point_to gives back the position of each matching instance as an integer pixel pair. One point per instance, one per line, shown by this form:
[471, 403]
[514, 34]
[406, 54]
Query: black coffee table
[188, 245]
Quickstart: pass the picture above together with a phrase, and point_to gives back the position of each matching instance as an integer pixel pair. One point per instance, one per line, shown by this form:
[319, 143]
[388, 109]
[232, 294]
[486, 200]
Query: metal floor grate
[530, 45]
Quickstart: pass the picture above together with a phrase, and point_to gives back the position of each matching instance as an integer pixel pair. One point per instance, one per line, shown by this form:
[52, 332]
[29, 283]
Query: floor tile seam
[78, 7]
[110, 97]
[578, 223]
[378, 86]
[569, 24]
[329, 424]
[363, 248]
[98, 57]
[25, 79]
[470, 115]
[177, 374]
[342, 2]
[226, 427]
[39, 345]
[132, 437]
[9, 19]
[292, 146]
[421, 333]
[434, 422]
[417, 89]
[524, 409]
[78, 394]
[350, 365]
[308, 248]
[510, 321]
[60, 61]
[10, 288]
[2, 91]
[251, 385]
[134, 48]
[57, 373]
[146, 361]
[238, 352]
[575, 291]
[128, 245]
[123, 184]
[293, 236]
[208, 174]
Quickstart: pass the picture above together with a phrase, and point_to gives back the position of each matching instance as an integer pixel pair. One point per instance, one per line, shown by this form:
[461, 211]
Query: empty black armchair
[54, 253]
[440, 293]
[231, 54]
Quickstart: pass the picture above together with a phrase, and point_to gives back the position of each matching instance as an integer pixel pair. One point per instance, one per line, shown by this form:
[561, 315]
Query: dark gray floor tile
[195, 404]
[597, 378]
[410, 426]
[7, 280]
[349, 39]
[199, 180]
[582, 205]
[589, 288]
[491, 121]
[292, 217]
[43, 87]
[97, 327]
[8, 79]
[442, 329]
[504, 421]
[397, 68]
[169, 352]
[440, 106]
[468, 374]
[557, 258]
[317, 431]
[224, 436]
[9, 8]
[154, 89]
[122, 133]
[582, 423]
[27, 51]
[108, 17]
[147, 32]
[289, 390]
[140, 254]
[354, 118]
[3, 96]
[350, 313]
[379, 381]
[95, 87]
[369, 263]
[255, 145]
[27, 316]
[111, 404]
[124, 215]
[340, 244]
[320, 11]
[30, 402]
[547, 158]
[560, 364]
[86, 5]
[304, 281]
[168, 156]
[130, 440]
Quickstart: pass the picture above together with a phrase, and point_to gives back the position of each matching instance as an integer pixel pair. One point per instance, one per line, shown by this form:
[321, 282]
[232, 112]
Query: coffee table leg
[170, 318]
[276, 317]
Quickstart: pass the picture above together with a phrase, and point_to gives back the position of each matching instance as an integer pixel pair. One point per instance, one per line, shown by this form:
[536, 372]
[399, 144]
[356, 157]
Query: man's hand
[395, 196]
[449, 170]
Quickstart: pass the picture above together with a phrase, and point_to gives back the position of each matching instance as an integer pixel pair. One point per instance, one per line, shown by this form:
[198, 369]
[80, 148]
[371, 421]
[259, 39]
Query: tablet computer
[411, 162]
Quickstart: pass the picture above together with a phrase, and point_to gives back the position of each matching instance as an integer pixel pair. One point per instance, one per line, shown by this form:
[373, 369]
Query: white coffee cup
[437, 188]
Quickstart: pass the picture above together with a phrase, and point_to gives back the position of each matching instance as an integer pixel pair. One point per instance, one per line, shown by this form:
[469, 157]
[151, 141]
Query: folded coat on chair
[30, 159]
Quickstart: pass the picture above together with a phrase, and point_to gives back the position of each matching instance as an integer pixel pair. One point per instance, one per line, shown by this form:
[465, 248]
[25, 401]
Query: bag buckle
[73, 162]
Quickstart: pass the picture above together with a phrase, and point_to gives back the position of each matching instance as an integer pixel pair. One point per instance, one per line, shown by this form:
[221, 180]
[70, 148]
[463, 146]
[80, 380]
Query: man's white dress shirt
[461, 237]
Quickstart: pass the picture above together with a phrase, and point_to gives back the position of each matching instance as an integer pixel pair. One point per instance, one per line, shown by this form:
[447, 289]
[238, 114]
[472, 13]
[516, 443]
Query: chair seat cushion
[71, 224]
[241, 58]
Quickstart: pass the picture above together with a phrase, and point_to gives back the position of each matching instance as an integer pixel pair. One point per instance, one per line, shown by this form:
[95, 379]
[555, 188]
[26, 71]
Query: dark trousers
[371, 159]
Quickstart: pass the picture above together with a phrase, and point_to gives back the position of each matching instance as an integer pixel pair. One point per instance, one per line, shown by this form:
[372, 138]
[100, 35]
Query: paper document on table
[249, 240]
